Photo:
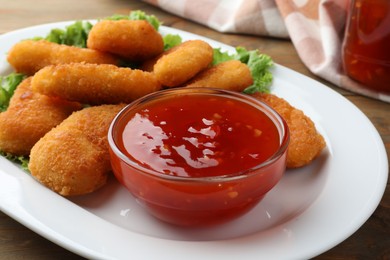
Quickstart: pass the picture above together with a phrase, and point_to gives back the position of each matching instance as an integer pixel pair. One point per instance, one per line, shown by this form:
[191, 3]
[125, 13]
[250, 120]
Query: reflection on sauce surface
[198, 136]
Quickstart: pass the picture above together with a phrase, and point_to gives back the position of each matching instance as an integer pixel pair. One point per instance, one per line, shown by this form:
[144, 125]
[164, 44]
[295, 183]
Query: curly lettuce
[171, 40]
[75, 34]
[137, 15]
[22, 160]
[8, 85]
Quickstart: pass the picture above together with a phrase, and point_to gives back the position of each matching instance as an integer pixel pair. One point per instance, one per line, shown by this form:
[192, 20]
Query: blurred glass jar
[366, 46]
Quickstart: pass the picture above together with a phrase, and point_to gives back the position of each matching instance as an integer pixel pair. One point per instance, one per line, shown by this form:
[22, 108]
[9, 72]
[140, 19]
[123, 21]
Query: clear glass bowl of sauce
[195, 157]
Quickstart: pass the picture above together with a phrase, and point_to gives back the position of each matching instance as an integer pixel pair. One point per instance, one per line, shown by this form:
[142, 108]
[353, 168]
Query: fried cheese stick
[231, 75]
[181, 64]
[73, 158]
[134, 40]
[306, 143]
[30, 116]
[29, 56]
[94, 84]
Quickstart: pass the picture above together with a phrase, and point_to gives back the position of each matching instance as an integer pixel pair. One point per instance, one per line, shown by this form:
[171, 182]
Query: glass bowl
[206, 196]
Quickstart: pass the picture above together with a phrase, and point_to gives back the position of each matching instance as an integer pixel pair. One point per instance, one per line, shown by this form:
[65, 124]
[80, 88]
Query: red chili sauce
[199, 136]
[366, 50]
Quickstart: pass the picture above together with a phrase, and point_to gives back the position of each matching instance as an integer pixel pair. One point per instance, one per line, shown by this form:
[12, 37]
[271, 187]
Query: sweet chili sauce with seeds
[199, 136]
[196, 157]
[366, 47]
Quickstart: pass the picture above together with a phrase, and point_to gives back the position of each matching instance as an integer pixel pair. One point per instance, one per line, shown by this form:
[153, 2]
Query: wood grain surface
[371, 241]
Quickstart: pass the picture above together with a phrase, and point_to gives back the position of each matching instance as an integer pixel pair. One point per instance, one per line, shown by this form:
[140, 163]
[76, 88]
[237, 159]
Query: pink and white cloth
[315, 27]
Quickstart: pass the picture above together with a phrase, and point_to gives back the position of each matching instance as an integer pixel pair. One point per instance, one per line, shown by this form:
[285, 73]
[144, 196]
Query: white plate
[310, 211]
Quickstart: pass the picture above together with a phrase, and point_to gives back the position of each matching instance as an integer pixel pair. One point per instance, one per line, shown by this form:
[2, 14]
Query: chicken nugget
[29, 56]
[306, 143]
[30, 116]
[180, 65]
[73, 158]
[231, 75]
[94, 84]
[134, 40]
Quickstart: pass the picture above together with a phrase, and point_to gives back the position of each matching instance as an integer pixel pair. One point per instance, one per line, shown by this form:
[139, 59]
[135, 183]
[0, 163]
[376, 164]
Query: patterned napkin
[316, 28]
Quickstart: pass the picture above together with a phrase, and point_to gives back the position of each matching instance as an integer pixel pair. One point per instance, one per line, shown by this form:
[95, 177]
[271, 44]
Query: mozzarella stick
[181, 64]
[30, 116]
[231, 75]
[30, 56]
[134, 40]
[73, 158]
[94, 84]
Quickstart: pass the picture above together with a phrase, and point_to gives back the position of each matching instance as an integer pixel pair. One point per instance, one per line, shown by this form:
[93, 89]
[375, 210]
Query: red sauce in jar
[366, 50]
[199, 136]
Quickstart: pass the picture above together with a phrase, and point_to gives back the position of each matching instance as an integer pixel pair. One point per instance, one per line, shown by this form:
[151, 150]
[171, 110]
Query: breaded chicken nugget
[30, 56]
[305, 141]
[94, 84]
[30, 116]
[135, 40]
[231, 75]
[73, 158]
[184, 62]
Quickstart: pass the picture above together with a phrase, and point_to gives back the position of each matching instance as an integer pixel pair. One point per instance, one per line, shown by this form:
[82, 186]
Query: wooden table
[371, 241]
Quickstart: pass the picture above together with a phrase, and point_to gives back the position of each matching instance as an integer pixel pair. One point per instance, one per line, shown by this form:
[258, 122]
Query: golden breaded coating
[148, 64]
[30, 116]
[180, 65]
[30, 56]
[94, 84]
[231, 75]
[134, 40]
[73, 158]
[305, 141]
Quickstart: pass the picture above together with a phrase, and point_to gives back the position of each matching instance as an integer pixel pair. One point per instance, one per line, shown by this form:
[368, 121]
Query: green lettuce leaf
[8, 85]
[220, 56]
[171, 40]
[22, 160]
[258, 63]
[137, 15]
[116, 17]
[75, 34]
